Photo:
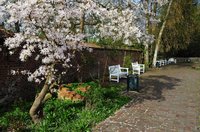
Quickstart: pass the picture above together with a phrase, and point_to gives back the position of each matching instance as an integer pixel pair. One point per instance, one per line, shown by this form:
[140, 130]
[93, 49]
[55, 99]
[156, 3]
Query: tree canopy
[180, 25]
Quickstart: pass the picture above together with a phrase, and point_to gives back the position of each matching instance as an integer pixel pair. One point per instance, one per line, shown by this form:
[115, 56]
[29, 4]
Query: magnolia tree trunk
[36, 109]
[160, 35]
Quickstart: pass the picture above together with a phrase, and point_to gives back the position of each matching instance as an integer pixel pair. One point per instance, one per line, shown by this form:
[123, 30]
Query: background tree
[176, 27]
[158, 40]
[180, 26]
[186, 29]
[151, 9]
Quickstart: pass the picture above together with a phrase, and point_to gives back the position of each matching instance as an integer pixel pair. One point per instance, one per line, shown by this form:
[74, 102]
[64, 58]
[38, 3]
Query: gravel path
[169, 101]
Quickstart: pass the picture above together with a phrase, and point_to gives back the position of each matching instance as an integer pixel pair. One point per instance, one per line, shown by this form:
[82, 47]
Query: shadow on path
[152, 88]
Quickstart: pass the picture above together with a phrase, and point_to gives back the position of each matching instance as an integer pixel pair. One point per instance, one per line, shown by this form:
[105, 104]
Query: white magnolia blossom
[162, 2]
[126, 24]
[46, 30]
[2, 14]
[148, 6]
[11, 43]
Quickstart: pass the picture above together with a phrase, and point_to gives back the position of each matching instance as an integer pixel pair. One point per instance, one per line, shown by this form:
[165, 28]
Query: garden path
[167, 102]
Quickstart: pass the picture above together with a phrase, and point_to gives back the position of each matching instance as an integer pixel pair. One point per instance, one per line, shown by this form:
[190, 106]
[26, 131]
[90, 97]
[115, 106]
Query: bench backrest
[171, 59]
[135, 64]
[115, 69]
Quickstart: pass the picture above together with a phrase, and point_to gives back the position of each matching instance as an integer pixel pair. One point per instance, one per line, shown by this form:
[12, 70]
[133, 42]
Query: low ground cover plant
[99, 103]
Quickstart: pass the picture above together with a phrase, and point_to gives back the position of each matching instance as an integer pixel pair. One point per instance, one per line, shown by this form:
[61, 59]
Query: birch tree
[158, 40]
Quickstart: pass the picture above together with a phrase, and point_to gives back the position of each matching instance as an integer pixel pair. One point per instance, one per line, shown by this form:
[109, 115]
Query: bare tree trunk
[105, 69]
[35, 111]
[146, 56]
[146, 46]
[124, 58]
[82, 23]
[160, 35]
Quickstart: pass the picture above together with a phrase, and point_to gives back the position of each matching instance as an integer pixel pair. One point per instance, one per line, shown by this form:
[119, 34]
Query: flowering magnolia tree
[140, 12]
[48, 34]
[127, 24]
[124, 20]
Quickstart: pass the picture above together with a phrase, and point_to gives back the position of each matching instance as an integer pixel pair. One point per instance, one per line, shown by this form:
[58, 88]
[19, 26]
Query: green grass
[59, 115]
[16, 117]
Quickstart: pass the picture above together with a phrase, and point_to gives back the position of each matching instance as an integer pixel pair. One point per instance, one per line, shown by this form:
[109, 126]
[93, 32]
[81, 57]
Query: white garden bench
[161, 62]
[138, 68]
[116, 72]
[172, 60]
